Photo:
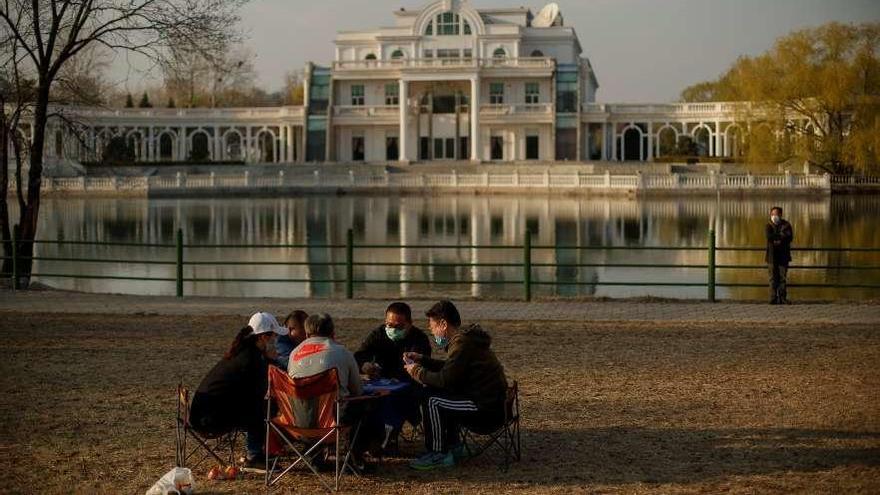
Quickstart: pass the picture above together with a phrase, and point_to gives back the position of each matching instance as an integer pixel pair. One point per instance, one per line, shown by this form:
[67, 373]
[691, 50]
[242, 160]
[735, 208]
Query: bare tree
[209, 76]
[16, 96]
[48, 34]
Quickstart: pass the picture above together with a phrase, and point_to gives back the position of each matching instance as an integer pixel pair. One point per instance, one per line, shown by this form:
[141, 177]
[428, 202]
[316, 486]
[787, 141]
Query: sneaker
[433, 460]
[361, 466]
[460, 453]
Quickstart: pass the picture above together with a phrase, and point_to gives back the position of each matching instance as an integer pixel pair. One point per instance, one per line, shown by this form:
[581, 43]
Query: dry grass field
[87, 406]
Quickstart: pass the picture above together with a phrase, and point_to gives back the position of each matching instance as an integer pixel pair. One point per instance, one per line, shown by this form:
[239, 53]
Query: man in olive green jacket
[468, 388]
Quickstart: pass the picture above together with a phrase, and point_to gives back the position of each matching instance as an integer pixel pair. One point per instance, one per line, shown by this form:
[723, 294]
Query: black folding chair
[505, 440]
[209, 446]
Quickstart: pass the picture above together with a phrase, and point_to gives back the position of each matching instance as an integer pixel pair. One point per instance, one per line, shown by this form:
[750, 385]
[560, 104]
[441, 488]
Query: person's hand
[371, 369]
[411, 369]
[412, 357]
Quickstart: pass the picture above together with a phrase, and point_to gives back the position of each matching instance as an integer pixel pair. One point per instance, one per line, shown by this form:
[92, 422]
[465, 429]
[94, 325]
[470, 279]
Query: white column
[247, 145]
[289, 138]
[650, 141]
[145, 146]
[282, 143]
[403, 157]
[605, 142]
[475, 120]
[217, 155]
[718, 145]
[151, 146]
[614, 142]
[181, 144]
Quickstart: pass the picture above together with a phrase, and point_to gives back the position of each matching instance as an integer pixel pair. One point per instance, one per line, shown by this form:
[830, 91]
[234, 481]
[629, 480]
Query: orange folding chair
[505, 439]
[306, 420]
[210, 446]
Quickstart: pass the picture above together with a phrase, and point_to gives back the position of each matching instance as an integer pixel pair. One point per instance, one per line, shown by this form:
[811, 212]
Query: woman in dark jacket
[232, 395]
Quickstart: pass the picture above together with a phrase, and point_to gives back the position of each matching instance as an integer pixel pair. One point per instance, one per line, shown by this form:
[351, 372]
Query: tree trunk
[5, 234]
[27, 223]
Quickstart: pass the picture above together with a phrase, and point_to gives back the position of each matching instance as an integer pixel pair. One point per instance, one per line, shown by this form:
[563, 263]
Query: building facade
[446, 82]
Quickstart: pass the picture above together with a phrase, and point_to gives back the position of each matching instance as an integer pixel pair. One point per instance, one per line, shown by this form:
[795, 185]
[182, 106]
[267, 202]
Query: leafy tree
[814, 96]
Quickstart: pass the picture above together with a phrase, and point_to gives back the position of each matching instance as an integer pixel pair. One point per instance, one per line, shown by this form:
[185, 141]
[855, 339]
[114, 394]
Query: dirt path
[87, 405]
[555, 310]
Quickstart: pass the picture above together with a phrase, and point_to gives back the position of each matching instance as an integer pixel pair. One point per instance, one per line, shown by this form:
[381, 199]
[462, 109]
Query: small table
[384, 386]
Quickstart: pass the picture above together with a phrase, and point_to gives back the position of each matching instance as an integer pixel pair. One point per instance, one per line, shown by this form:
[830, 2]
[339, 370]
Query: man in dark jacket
[779, 237]
[381, 353]
[468, 388]
[381, 356]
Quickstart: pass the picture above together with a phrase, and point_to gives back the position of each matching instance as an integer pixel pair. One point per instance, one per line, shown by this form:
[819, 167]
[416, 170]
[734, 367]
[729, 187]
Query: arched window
[537, 53]
[397, 54]
[499, 53]
[371, 56]
[166, 146]
[448, 24]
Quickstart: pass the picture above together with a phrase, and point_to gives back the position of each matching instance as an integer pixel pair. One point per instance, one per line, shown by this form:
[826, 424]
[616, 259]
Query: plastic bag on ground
[178, 481]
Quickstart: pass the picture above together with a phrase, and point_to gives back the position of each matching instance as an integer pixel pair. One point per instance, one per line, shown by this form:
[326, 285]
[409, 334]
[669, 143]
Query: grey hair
[319, 325]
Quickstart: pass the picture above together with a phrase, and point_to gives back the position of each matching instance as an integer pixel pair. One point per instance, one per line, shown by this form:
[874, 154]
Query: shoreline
[567, 184]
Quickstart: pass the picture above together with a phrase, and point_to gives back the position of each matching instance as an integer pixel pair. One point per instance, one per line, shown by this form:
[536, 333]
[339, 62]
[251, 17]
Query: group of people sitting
[467, 388]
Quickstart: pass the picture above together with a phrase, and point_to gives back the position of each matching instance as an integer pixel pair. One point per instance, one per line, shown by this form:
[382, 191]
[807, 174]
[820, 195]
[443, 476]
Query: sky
[641, 50]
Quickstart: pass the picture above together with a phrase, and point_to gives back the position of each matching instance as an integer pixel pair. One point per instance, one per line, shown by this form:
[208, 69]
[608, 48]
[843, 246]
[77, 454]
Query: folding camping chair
[209, 445]
[505, 438]
[308, 414]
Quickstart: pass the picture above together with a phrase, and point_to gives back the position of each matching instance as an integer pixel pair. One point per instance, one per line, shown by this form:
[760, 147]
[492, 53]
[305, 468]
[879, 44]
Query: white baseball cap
[264, 323]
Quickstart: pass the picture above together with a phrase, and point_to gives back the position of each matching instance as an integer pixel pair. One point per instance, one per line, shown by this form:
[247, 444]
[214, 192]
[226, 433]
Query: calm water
[846, 221]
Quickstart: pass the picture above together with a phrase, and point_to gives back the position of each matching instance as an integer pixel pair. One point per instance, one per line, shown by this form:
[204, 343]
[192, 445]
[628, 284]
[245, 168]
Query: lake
[446, 227]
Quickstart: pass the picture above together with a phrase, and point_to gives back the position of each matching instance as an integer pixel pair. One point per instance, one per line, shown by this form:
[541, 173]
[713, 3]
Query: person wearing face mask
[232, 394]
[295, 323]
[778, 256]
[468, 388]
[380, 354]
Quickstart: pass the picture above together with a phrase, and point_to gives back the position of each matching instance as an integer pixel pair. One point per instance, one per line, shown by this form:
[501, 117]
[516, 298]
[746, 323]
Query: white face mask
[775, 218]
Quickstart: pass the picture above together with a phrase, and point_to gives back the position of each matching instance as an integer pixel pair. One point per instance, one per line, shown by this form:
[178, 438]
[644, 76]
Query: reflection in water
[449, 226]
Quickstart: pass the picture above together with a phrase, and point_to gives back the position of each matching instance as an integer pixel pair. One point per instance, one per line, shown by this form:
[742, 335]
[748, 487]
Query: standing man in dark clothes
[468, 388]
[779, 237]
[381, 356]
[233, 394]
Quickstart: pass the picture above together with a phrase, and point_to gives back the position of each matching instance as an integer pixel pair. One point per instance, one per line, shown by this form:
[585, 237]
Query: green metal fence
[526, 264]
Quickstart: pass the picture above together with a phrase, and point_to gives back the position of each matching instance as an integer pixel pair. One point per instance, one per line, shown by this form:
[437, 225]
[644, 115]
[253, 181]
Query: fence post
[527, 266]
[349, 264]
[711, 282]
[14, 259]
[179, 262]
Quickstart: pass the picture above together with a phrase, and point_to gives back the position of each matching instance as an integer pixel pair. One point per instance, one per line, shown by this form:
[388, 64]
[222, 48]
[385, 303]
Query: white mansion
[445, 82]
